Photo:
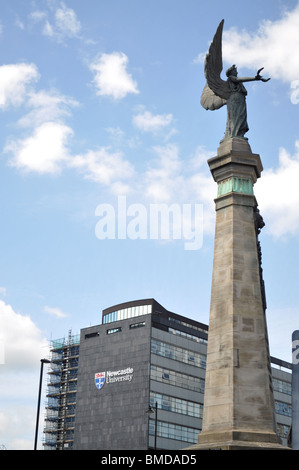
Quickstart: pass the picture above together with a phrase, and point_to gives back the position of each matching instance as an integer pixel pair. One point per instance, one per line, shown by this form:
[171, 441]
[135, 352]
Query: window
[176, 405]
[283, 430]
[178, 354]
[283, 408]
[189, 382]
[137, 325]
[113, 330]
[125, 313]
[187, 335]
[92, 335]
[174, 431]
[282, 386]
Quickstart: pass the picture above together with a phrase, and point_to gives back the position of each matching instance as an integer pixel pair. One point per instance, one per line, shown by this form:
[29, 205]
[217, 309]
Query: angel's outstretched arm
[250, 79]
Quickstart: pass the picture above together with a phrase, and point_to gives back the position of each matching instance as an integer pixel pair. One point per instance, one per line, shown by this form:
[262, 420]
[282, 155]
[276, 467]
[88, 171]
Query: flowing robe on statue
[236, 125]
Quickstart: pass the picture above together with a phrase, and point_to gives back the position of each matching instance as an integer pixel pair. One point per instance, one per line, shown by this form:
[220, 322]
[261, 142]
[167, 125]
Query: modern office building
[136, 382]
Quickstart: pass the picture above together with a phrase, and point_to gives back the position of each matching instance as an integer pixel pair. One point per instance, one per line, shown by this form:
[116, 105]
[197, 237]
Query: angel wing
[216, 91]
[209, 100]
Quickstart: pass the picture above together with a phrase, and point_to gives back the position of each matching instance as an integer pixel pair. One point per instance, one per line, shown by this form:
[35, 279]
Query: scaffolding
[61, 394]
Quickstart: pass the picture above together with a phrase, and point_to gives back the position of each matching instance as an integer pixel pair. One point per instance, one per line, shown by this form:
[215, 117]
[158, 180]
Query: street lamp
[43, 361]
[149, 412]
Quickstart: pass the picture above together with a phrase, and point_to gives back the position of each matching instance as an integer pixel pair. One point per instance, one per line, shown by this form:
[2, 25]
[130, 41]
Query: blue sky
[100, 103]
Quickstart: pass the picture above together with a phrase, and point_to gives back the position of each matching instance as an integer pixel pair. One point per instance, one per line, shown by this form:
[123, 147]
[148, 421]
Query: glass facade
[171, 377]
[189, 325]
[182, 397]
[284, 409]
[125, 313]
[178, 354]
[282, 386]
[176, 405]
[187, 335]
[174, 431]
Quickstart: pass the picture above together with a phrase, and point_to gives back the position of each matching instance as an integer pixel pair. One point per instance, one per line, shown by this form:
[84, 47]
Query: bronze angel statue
[232, 93]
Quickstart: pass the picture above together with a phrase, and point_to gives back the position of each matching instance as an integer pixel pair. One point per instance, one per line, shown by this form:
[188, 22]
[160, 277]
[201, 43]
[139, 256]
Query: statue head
[232, 71]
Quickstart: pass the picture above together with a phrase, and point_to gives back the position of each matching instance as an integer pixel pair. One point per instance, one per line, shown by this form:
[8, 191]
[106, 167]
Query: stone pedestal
[238, 404]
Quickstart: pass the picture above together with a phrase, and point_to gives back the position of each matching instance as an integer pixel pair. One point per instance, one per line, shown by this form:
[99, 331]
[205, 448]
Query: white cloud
[44, 151]
[164, 178]
[66, 21]
[200, 157]
[103, 166]
[47, 106]
[201, 184]
[273, 46]
[147, 122]
[14, 82]
[56, 312]
[200, 58]
[48, 30]
[3, 291]
[19, 24]
[38, 15]
[204, 191]
[116, 134]
[277, 194]
[24, 346]
[59, 23]
[16, 89]
[17, 420]
[172, 179]
[111, 76]
[22, 340]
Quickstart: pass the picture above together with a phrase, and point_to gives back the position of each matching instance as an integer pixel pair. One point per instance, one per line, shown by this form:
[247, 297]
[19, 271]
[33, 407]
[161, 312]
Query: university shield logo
[99, 379]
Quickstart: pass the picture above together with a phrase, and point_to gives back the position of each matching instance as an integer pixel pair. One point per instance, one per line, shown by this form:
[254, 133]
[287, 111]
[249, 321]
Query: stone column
[238, 404]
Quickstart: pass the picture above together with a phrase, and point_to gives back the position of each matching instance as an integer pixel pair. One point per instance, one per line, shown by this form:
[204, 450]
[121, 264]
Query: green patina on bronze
[236, 185]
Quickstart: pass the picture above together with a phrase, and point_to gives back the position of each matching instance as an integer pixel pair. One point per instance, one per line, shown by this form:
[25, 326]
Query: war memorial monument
[238, 401]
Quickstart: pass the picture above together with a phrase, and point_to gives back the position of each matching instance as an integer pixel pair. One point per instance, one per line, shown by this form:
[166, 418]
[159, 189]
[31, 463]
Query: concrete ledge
[238, 445]
[235, 144]
[235, 199]
[235, 159]
[238, 435]
[238, 440]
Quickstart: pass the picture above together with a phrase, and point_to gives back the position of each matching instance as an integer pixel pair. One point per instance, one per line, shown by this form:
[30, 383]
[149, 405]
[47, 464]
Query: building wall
[113, 417]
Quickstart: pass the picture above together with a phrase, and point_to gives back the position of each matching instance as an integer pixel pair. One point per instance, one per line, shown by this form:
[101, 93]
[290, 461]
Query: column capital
[235, 160]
